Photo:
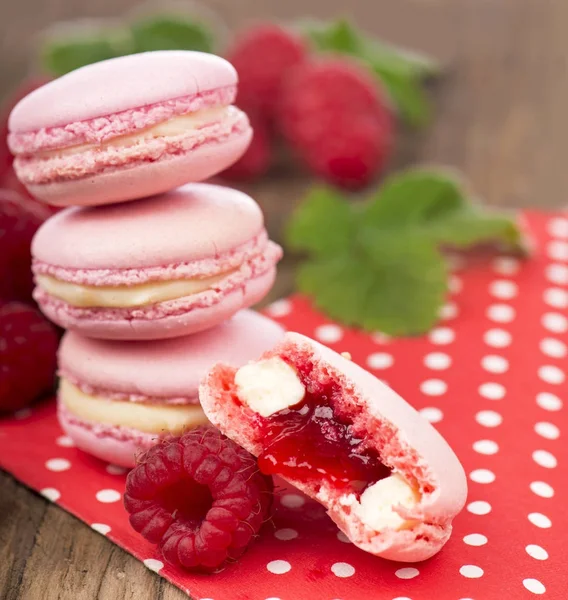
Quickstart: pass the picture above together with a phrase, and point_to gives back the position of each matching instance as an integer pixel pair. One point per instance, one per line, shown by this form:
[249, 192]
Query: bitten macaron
[387, 478]
[118, 398]
[128, 127]
[163, 266]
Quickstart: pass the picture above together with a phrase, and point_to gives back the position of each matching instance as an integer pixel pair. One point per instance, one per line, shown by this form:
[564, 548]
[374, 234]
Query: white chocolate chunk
[375, 507]
[269, 386]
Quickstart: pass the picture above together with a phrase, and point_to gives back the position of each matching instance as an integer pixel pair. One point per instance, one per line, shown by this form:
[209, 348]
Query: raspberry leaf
[171, 32]
[400, 71]
[377, 264]
[323, 224]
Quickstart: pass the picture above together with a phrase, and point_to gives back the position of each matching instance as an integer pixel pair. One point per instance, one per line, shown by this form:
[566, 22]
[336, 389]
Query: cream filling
[170, 128]
[125, 296]
[149, 418]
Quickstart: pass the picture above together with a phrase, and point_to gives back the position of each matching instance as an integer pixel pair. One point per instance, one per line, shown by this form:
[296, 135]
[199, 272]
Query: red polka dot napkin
[492, 376]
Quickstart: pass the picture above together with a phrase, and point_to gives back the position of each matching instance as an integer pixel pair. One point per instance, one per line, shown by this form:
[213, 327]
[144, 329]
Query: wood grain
[500, 119]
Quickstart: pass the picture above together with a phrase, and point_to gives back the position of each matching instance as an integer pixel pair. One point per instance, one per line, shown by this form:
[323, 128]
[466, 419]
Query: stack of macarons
[149, 270]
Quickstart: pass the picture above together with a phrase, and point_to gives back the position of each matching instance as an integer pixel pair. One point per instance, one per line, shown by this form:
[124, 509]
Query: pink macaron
[385, 475]
[128, 127]
[117, 398]
[160, 267]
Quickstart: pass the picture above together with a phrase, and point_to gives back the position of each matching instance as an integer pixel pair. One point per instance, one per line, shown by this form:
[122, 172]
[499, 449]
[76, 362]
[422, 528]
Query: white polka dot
[503, 289]
[437, 361]
[471, 571]
[280, 308]
[101, 528]
[555, 322]
[498, 338]
[116, 470]
[542, 489]
[343, 538]
[556, 297]
[285, 534]
[380, 338]
[22, 414]
[537, 552]
[329, 334]
[558, 250]
[407, 573]
[547, 430]
[292, 500]
[342, 569]
[540, 520]
[107, 496]
[495, 364]
[534, 586]
[482, 476]
[553, 348]
[505, 265]
[278, 567]
[492, 391]
[402, 598]
[557, 274]
[433, 387]
[379, 360]
[486, 447]
[489, 418]
[153, 564]
[432, 414]
[65, 441]
[551, 374]
[544, 459]
[548, 401]
[57, 464]
[448, 311]
[271, 598]
[479, 507]
[455, 285]
[501, 313]
[475, 539]
[442, 336]
[51, 494]
[558, 227]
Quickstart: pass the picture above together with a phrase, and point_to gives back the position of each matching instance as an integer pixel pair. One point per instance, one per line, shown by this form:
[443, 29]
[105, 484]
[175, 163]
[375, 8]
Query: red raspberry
[28, 345]
[200, 497]
[19, 220]
[334, 116]
[262, 56]
[256, 160]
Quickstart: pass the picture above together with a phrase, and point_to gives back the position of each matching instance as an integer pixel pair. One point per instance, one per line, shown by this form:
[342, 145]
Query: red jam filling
[310, 442]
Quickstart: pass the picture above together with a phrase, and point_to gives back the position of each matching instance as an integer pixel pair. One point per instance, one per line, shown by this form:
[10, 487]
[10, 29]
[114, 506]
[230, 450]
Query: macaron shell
[193, 321]
[166, 368]
[190, 223]
[120, 84]
[145, 179]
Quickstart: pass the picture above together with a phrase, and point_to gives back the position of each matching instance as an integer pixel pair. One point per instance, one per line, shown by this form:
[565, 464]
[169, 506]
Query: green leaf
[79, 48]
[323, 224]
[171, 32]
[414, 198]
[401, 72]
[389, 284]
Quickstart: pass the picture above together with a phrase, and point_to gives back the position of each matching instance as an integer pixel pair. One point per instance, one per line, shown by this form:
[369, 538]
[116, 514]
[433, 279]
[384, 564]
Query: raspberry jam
[308, 441]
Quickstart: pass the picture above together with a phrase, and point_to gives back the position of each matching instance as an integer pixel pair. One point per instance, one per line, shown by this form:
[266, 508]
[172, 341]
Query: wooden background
[501, 119]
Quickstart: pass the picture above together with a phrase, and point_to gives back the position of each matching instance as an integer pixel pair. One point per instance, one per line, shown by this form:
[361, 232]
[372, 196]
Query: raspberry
[262, 56]
[200, 497]
[19, 220]
[28, 345]
[334, 116]
[256, 160]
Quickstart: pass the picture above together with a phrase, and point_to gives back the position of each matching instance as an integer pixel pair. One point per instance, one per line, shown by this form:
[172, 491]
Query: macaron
[128, 127]
[386, 477]
[118, 398]
[164, 266]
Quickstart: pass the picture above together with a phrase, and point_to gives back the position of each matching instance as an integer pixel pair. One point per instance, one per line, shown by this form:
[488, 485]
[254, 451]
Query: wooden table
[501, 119]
